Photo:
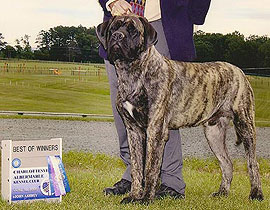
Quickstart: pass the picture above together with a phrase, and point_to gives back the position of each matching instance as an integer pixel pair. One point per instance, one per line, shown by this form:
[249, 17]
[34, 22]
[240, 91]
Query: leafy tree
[2, 45]
[70, 43]
[205, 41]
[23, 48]
[234, 48]
[9, 52]
[41, 54]
[2, 42]
[264, 51]
[204, 50]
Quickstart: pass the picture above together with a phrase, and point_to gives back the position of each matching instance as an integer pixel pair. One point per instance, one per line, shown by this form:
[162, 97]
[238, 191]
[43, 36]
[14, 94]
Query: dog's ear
[150, 34]
[102, 30]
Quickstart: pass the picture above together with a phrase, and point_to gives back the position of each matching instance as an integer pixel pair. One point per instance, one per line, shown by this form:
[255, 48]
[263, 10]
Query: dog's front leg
[136, 140]
[157, 135]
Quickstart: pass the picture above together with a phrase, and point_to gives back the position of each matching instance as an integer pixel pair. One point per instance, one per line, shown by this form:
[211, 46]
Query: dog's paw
[145, 201]
[256, 195]
[220, 194]
[129, 199]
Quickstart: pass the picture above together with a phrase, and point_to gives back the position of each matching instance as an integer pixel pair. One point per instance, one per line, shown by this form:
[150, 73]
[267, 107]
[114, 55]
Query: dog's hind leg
[215, 133]
[245, 130]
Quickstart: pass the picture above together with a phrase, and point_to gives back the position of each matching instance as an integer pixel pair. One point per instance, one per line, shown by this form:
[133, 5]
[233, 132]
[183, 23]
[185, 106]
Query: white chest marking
[129, 107]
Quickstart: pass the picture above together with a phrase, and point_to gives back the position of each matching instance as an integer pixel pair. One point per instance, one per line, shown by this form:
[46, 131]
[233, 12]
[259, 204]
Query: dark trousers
[171, 169]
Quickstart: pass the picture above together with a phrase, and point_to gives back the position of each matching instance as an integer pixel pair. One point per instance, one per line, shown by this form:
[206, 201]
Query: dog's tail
[244, 125]
[244, 111]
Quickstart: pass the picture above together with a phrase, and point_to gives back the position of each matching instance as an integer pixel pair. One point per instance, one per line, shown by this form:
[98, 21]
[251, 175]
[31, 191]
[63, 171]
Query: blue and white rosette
[57, 175]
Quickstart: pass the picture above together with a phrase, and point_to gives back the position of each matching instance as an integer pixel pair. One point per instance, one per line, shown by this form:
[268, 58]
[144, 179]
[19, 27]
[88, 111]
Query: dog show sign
[33, 170]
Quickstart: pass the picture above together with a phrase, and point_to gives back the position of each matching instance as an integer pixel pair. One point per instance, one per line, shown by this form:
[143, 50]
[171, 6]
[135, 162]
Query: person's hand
[120, 7]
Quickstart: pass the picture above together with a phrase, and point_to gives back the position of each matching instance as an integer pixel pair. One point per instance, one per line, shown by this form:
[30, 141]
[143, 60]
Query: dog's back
[206, 89]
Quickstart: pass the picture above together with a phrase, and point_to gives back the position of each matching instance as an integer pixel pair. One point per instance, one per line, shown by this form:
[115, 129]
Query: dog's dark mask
[126, 37]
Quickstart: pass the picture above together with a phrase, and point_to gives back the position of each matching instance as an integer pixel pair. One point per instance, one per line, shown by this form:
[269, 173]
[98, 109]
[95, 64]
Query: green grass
[261, 87]
[32, 88]
[89, 174]
[51, 93]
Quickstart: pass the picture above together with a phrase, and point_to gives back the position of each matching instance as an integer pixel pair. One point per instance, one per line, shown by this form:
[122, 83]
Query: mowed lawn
[35, 89]
[261, 87]
[30, 86]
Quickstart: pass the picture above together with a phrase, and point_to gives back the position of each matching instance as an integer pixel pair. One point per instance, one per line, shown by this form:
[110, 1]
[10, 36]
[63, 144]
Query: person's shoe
[165, 191]
[119, 188]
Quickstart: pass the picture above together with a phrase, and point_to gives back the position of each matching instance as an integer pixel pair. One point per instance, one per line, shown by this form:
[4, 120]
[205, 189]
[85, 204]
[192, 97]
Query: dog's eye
[116, 25]
[131, 28]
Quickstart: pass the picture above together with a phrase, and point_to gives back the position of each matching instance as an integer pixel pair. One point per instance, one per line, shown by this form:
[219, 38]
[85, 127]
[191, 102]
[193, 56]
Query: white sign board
[24, 170]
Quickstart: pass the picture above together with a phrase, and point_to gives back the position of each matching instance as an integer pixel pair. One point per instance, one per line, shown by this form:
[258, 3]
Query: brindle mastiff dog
[156, 94]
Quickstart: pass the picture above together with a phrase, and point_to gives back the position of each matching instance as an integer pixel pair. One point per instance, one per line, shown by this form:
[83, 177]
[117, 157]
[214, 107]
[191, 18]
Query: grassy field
[40, 90]
[261, 87]
[89, 174]
[31, 86]
[32, 65]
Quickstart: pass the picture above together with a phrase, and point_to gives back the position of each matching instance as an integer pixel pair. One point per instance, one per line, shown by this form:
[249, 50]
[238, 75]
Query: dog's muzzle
[118, 36]
[116, 49]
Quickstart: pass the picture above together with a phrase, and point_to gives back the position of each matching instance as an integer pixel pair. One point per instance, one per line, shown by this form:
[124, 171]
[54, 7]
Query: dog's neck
[130, 74]
[142, 61]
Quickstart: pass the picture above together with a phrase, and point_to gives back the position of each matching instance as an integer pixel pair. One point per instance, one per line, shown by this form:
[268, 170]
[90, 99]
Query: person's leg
[171, 169]
[120, 127]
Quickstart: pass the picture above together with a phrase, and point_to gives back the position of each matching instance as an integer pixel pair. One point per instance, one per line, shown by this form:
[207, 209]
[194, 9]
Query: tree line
[61, 43]
[253, 51]
[80, 44]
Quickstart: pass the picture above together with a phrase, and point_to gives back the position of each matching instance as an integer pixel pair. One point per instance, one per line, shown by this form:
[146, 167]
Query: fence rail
[94, 70]
[3, 60]
[90, 69]
[31, 113]
[264, 72]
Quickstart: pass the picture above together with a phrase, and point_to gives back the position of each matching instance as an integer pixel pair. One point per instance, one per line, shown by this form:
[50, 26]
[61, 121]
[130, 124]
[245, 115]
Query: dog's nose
[118, 36]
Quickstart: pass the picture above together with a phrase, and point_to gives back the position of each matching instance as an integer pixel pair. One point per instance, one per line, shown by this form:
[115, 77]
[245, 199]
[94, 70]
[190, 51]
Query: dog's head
[126, 37]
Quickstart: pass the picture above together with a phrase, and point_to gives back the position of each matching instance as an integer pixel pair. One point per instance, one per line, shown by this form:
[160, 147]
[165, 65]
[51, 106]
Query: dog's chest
[129, 108]
[129, 83]
[133, 97]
